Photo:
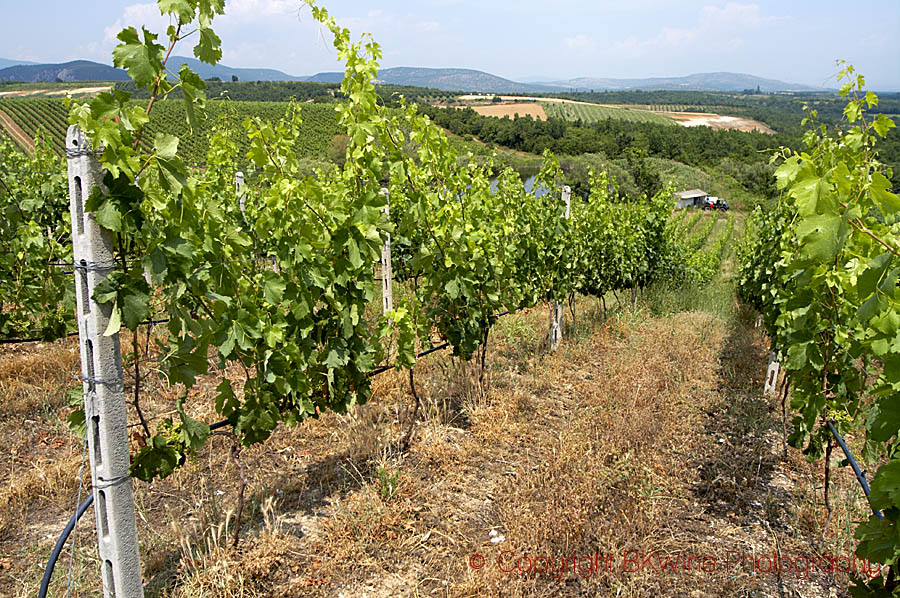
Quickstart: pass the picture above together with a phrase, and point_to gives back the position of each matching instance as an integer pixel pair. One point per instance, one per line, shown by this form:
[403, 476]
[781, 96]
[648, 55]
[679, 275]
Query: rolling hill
[697, 82]
[76, 70]
[86, 70]
[225, 72]
[447, 79]
[6, 62]
[481, 82]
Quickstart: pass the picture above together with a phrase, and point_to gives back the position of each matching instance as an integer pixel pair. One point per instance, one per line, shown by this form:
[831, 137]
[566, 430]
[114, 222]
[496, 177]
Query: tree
[234, 79]
[645, 174]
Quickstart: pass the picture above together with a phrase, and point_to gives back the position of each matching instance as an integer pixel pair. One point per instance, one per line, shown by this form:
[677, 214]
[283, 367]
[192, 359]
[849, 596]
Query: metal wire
[113, 482]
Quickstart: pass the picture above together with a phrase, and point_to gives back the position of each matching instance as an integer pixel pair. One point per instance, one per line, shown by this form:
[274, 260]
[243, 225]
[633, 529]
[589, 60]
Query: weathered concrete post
[238, 183]
[103, 382]
[771, 375]
[387, 273]
[556, 309]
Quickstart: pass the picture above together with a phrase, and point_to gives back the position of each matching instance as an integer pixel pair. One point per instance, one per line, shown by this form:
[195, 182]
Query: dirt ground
[55, 92]
[717, 121]
[16, 132]
[533, 110]
[640, 459]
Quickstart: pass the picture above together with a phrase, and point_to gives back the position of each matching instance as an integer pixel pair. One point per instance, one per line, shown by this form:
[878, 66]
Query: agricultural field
[52, 89]
[319, 123]
[33, 114]
[319, 127]
[531, 109]
[588, 113]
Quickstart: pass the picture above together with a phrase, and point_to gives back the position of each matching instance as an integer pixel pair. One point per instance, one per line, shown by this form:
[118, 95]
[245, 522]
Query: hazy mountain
[448, 79]
[224, 72]
[445, 79]
[5, 62]
[77, 70]
[479, 81]
[86, 70]
[696, 82]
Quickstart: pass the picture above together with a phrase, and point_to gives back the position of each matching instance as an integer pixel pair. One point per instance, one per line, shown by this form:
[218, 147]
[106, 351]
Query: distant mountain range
[446, 79]
[225, 72]
[5, 62]
[77, 70]
[85, 70]
[697, 82]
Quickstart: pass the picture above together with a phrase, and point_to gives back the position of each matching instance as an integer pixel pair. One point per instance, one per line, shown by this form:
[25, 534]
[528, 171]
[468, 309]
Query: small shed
[693, 197]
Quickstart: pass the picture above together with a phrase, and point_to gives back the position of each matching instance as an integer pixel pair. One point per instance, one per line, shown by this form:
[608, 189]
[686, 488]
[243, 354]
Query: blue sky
[795, 41]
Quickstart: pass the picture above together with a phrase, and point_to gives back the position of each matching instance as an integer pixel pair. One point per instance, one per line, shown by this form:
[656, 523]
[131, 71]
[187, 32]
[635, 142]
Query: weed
[388, 483]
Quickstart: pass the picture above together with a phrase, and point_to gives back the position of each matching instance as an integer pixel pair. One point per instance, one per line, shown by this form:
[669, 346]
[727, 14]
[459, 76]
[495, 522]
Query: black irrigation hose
[860, 474]
[34, 339]
[54, 556]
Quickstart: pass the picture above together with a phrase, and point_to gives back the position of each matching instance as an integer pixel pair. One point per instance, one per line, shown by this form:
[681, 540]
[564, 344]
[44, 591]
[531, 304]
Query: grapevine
[823, 272]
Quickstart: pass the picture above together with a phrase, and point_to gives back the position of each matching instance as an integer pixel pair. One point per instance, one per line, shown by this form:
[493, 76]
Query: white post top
[75, 138]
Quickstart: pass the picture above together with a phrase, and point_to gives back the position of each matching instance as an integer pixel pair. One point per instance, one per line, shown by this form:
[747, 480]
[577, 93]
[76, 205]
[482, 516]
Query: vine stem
[404, 443]
[784, 393]
[828, 506]
[136, 400]
[858, 225]
[153, 96]
[236, 454]
[137, 381]
[483, 356]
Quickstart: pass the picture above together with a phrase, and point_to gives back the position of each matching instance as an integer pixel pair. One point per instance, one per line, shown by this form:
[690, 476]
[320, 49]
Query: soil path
[16, 132]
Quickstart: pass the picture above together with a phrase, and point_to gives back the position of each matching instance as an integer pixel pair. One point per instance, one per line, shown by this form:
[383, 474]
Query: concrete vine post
[387, 273]
[238, 183]
[103, 382]
[556, 308]
[771, 376]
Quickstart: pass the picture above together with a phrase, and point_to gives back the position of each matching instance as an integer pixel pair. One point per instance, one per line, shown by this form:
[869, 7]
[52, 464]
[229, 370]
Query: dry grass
[644, 432]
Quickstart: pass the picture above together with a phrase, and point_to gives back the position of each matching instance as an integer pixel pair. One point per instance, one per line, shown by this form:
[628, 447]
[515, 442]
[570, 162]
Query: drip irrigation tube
[860, 474]
[54, 556]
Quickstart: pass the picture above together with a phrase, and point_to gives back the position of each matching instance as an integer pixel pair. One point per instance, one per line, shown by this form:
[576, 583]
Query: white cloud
[236, 12]
[733, 13]
[136, 15]
[668, 37]
[426, 26]
[716, 27]
[260, 9]
[580, 43]
[246, 53]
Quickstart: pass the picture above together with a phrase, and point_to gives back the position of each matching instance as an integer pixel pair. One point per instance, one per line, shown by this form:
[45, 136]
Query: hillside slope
[76, 70]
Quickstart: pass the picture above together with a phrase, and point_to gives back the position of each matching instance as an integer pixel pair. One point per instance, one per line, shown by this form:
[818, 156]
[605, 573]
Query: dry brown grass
[642, 433]
[532, 109]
